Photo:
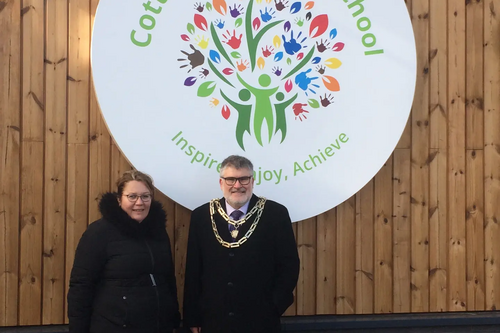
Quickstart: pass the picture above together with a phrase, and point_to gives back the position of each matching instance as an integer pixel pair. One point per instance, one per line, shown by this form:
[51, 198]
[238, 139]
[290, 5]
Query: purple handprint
[292, 46]
[277, 71]
[267, 15]
[236, 11]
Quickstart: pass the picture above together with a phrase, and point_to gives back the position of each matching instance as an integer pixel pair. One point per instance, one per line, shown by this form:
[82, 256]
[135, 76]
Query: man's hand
[195, 329]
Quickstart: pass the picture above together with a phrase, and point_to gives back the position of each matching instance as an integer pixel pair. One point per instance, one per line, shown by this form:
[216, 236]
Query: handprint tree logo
[266, 62]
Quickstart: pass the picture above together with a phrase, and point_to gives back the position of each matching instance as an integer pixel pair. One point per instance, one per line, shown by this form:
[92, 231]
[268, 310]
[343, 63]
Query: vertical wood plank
[33, 120]
[438, 185]
[492, 151]
[438, 232]
[475, 231]
[33, 92]
[78, 71]
[55, 161]
[326, 262]
[364, 249]
[456, 156]
[474, 113]
[383, 239]
[76, 212]
[10, 138]
[30, 279]
[402, 228]
[78, 129]
[420, 164]
[346, 257]
[306, 286]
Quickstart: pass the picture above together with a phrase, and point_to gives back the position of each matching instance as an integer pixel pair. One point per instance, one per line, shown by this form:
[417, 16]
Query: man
[241, 267]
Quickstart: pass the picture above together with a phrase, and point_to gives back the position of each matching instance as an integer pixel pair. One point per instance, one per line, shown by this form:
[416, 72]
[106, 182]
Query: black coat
[123, 276]
[243, 289]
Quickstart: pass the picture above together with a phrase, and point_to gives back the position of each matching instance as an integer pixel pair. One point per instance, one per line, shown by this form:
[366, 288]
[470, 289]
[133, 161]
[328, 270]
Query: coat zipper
[153, 282]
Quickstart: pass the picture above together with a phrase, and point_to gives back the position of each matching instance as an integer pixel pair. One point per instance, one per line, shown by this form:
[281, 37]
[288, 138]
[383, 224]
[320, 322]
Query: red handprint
[267, 51]
[299, 111]
[232, 41]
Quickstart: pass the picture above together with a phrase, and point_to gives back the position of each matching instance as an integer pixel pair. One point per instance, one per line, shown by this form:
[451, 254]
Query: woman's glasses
[132, 197]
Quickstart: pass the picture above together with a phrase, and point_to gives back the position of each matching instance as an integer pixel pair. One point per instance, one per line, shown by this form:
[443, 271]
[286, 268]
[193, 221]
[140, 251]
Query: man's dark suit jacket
[243, 289]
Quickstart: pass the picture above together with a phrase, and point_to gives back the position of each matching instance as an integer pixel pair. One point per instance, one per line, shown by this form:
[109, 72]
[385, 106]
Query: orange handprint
[242, 65]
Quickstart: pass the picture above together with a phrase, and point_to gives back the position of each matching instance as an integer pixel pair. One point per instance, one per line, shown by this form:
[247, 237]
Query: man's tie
[235, 216]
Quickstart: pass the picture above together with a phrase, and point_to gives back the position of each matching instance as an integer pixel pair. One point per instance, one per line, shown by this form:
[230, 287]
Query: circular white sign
[315, 93]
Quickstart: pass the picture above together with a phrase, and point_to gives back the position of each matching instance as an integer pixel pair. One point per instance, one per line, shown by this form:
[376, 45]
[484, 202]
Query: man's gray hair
[237, 162]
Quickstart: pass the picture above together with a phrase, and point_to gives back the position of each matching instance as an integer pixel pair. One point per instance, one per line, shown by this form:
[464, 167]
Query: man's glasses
[230, 181]
[134, 197]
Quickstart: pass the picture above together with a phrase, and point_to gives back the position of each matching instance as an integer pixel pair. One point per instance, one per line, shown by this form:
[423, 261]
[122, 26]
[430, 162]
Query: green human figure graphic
[244, 113]
[280, 113]
[263, 106]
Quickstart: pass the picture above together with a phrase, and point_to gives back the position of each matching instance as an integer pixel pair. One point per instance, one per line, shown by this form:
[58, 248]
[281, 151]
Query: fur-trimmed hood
[153, 226]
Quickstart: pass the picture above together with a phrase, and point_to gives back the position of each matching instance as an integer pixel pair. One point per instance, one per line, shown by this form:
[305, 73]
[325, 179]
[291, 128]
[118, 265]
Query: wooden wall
[422, 236]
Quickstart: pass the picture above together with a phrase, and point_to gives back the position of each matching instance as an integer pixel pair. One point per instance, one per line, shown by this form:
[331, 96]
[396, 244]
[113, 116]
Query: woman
[123, 276]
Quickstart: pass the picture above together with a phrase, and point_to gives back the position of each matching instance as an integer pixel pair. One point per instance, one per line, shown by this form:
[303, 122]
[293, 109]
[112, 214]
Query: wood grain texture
[421, 236]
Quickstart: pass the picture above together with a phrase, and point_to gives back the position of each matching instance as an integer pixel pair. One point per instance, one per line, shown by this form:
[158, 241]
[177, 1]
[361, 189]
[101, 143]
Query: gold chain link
[259, 208]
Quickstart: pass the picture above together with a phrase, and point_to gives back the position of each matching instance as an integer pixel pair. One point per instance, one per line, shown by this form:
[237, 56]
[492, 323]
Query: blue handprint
[267, 15]
[292, 46]
[303, 81]
[219, 23]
